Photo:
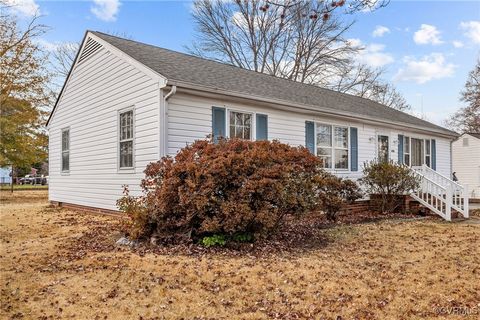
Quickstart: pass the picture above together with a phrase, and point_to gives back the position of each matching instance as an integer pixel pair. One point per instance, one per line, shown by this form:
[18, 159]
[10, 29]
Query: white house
[466, 161]
[126, 104]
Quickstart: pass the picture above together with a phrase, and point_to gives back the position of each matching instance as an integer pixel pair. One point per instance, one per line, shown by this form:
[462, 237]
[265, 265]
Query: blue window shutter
[433, 151]
[262, 126]
[219, 119]
[400, 149]
[354, 149]
[310, 136]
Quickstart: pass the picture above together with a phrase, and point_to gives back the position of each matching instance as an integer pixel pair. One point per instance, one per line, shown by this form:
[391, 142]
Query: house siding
[466, 163]
[190, 118]
[98, 88]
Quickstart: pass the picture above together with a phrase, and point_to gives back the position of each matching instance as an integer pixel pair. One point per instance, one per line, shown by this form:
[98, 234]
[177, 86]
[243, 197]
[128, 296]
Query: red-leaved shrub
[230, 187]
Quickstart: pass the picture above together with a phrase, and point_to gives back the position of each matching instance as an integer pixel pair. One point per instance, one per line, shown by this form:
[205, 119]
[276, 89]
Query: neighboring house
[5, 175]
[466, 161]
[126, 104]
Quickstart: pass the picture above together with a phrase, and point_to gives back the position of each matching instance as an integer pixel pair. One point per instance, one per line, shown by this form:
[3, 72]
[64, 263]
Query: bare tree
[290, 39]
[467, 119]
[279, 41]
[62, 58]
[366, 82]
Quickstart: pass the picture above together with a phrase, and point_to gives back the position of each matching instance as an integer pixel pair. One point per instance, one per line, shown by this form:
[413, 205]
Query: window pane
[427, 147]
[427, 160]
[417, 152]
[325, 162]
[407, 159]
[240, 125]
[246, 132]
[324, 135]
[406, 145]
[65, 140]
[126, 154]
[248, 119]
[341, 137]
[382, 151]
[324, 152]
[341, 159]
[126, 125]
[65, 161]
[239, 132]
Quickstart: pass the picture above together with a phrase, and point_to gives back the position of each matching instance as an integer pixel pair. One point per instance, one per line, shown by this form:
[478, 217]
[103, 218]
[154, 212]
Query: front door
[382, 148]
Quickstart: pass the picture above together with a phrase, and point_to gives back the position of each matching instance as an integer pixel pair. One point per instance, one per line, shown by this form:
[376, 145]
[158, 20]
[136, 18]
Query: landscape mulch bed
[295, 236]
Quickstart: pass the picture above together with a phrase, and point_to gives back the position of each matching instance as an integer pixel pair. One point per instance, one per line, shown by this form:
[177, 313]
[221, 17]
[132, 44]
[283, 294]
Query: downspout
[172, 91]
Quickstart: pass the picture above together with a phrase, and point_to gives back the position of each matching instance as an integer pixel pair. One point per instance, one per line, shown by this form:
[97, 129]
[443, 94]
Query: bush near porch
[233, 189]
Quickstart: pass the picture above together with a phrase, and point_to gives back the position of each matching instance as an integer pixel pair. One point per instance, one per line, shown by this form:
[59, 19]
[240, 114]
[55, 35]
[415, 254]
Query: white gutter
[164, 139]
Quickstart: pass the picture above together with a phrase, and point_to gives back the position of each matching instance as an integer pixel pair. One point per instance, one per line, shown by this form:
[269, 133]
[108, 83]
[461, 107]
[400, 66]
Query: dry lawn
[51, 268]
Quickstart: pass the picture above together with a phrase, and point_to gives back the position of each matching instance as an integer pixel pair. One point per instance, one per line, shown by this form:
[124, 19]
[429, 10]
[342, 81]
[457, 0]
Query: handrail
[439, 193]
[430, 180]
[427, 168]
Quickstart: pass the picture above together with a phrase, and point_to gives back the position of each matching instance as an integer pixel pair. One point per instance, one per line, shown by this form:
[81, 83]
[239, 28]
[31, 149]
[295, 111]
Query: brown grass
[385, 270]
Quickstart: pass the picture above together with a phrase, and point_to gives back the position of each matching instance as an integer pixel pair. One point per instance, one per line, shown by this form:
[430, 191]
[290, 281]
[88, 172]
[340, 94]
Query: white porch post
[465, 202]
[448, 203]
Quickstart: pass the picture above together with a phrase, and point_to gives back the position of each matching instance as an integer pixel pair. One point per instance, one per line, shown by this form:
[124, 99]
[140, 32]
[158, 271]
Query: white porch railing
[439, 193]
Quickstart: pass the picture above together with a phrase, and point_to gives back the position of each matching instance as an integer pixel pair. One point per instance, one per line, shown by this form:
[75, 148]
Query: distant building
[466, 161]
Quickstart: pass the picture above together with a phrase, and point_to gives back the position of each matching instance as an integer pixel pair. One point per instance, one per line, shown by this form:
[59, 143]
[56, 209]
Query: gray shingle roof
[180, 67]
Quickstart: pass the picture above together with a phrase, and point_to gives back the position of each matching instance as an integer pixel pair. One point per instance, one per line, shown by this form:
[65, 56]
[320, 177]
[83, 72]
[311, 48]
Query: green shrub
[387, 181]
[335, 193]
[214, 240]
[231, 187]
[243, 237]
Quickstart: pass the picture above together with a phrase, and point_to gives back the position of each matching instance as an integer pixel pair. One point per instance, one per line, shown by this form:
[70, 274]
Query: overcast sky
[427, 47]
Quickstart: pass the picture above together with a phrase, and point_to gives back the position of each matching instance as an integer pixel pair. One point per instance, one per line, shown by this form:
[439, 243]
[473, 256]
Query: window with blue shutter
[261, 126]
[400, 148]
[310, 136]
[354, 149]
[218, 123]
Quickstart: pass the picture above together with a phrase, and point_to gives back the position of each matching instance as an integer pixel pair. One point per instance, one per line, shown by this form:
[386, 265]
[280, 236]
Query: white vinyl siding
[98, 89]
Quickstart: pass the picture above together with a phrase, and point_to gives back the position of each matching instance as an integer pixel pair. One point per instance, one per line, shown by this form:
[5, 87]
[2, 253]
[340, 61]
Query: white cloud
[457, 44]
[372, 54]
[428, 68]
[380, 31]
[106, 10]
[472, 30]
[427, 34]
[24, 7]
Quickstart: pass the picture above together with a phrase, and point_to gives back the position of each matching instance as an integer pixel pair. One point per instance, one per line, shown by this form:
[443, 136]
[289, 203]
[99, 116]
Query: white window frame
[119, 140]
[410, 137]
[253, 132]
[67, 129]
[333, 148]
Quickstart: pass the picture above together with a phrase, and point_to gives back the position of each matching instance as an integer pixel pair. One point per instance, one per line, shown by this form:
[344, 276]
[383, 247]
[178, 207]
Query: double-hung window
[332, 146]
[240, 125]
[417, 152]
[126, 137]
[65, 150]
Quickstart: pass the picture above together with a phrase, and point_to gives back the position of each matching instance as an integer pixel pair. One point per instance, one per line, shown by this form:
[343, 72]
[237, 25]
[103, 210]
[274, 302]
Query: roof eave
[217, 91]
